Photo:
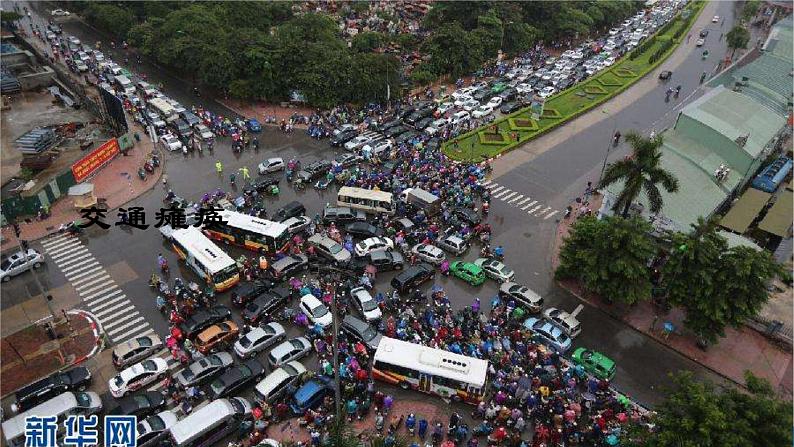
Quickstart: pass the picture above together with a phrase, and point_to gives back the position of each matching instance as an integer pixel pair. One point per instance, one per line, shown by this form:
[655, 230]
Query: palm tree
[640, 172]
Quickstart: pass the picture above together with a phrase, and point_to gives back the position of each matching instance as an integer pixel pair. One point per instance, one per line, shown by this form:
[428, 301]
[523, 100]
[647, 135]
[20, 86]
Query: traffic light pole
[24, 249]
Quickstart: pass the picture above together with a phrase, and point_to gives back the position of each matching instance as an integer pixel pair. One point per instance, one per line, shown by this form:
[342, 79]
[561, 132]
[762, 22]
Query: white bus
[205, 258]
[433, 371]
[62, 406]
[162, 107]
[367, 200]
[207, 425]
[253, 233]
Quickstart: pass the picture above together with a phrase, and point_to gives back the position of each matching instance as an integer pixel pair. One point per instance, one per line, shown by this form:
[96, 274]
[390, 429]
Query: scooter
[141, 173]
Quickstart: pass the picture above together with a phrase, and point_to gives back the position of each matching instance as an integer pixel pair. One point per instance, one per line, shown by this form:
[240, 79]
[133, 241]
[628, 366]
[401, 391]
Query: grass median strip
[519, 127]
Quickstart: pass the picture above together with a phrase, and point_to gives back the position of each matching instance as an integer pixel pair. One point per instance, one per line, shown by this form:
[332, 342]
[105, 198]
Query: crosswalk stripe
[94, 286]
[534, 209]
[58, 259]
[501, 193]
[118, 330]
[65, 247]
[87, 274]
[93, 302]
[546, 210]
[132, 333]
[90, 297]
[518, 197]
[497, 189]
[507, 196]
[87, 258]
[486, 182]
[527, 206]
[72, 269]
[526, 199]
[150, 331]
[110, 306]
[122, 319]
[550, 214]
[91, 280]
[55, 241]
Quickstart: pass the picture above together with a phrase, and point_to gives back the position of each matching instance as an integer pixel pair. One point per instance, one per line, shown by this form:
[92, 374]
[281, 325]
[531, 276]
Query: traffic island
[39, 350]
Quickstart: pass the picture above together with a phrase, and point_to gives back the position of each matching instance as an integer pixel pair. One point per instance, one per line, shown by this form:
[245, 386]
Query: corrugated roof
[700, 155]
[735, 240]
[745, 210]
[769, 72]
[781, 39]
[735, 115]
[778, 219]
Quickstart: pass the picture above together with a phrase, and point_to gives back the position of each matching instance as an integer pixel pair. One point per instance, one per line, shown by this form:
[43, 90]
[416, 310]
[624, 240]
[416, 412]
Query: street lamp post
[609, 145]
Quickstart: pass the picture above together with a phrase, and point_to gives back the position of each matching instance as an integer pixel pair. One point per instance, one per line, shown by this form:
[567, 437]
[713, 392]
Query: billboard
[95, 160]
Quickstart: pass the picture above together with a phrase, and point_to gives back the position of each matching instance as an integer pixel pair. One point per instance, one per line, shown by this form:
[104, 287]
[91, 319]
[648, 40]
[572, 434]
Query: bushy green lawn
[519, 127]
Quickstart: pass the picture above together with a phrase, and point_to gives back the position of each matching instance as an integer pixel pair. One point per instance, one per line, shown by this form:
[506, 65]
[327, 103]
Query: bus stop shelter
[745, 210]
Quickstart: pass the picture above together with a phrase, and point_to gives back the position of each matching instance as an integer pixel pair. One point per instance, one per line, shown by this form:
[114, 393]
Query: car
[19, 263]
[136, 349]
[342, 215]
[496, 101]
[700, 42]
[273, 164]
[265, 304]
[258, 339]
[343, 137]
[155, 428]
[548, 333]
[236, 377]
[436, 126]
[704, 33]
[297, 224]
[292, 209]
[310, 395]
[547, 91]
[363, 229]
[367, 246]
[453, 243]
[423, 123]
[329, 249]
[482, 111]
[155, 120]
[60, 12]
[382, 260]
[42, 390]
[460, 100]
[395, 131]
[139, 405]
[138, 375]
[248, 291]
[429, 253]
[81, 66]
[665, 75]
[362, 331]
[509, 107]
[445, 107]
[170, 142]
[253, 125]
[522, 294]
[563, 319]
[595, 363]
[378, 148]
[467, 215]
[288, 265]
[216, 336]
[203, 369]
[347, 127]
[313, 170]
[204, 318]
[317, 312]
[495, 269]
[406, 137]
[366, 304]
[715, 19]
[288, 351]
[413, 277]
[468, 272]
[346, 160]
[459, 118]
[470, 105]
[275, 384]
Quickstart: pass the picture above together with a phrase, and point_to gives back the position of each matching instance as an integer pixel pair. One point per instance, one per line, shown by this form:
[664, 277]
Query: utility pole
[609, 146]
[335, 328]
[23, 247]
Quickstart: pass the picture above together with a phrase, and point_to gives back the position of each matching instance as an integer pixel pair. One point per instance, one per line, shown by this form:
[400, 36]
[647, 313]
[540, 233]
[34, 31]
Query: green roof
[770, 75]
[745, 210]
[778, 219]
[781, 40]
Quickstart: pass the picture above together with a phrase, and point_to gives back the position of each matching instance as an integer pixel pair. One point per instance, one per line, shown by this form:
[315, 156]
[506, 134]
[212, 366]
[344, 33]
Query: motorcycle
[141, 173]
[71, 228]
[148, 166]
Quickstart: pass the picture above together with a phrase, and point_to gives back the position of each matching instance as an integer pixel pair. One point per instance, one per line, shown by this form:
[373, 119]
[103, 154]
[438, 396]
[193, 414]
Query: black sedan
[509, 107]
[363, 230]
[263, 184]
[413, 277]
[265, 304]
[665, 75]
[343, 137]
[468, 215]
[394, 131]
[139, 405]
[75, 379]
[245, 293]
[382, 260]
[405, 137]
[237, 377]
[203, 318]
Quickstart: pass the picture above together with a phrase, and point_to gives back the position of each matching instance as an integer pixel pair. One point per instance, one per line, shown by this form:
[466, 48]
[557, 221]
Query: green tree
[116, 19]
[9, 16]
[422, 76]
[367, 41]
[750, 9]
[519, 37]
[640, 172]
[737, 37]
[609, 256]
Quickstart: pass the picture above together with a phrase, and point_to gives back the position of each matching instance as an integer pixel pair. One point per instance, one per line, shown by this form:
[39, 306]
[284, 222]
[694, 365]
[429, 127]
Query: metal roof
[745, 210]
[778, 219]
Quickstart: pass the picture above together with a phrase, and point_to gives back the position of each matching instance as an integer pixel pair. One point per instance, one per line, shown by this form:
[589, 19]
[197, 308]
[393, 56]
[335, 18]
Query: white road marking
[91, 281]
[94, 286]
[51, 242]
[518, 197]
[76, 261]
[540, 213]
[118, 330]
[507, 196]
[537, 207]
[94, 295]
[527, 206]
[116, 321]
[523, 201]
[109, 306]
[550, 214]
[503, 192]
[94, 270]
[71, 270]
[63, 248]
[81, 252]
[93, 303]
[496, 189]
[132, 332]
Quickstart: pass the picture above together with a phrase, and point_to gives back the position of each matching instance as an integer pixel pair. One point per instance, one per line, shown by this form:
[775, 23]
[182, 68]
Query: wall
[44, 78]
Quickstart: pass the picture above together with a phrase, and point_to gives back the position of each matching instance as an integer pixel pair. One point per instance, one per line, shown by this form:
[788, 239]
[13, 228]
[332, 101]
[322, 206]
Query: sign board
[95, 160]
[536, 107]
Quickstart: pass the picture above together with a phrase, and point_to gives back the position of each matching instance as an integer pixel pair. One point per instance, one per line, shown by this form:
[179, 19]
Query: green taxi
[499, 87]
[468, 272]
[595, 363]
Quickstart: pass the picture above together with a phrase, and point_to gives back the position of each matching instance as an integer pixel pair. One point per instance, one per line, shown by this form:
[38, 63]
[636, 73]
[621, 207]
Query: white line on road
[76, 261]
[89, 281]
[501, 193]
[496, 189]
[84, 276]
[93, 303]
[116, 321]
[53, 244]
[54, 240]
[59, 259]
[550, 214]
[65, 246]
[526, 199]
[94, 295]
[534, 209]
[486, 182]
[518, 197]
[118, 330]
[132, 332]
[546, 210]
[110, 305]
[94, 286]
[507, 196]
[71, 270]
[525, 207]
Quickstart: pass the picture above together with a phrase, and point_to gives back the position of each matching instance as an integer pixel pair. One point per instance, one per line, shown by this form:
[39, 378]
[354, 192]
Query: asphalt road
[552, 179]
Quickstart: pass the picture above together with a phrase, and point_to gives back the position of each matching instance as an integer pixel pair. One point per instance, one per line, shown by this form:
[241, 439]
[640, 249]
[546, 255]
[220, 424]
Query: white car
[609, 61]
[74, 41]
[495, 102]
[344, 128]
[614, 31]
[358, 142]
[465, 92]
[462, 100]
[715, 19]
[366, 304]
[204, 132]
[482, 111]
[171, 142]
[564, 320]
[369, 245]
[17, 263]
[317, 312]
[258, 339]
[524, 88]
[470, 105]
[495, 269]
[429, 253]
[445, 107]
[436, 125]
[547, 91]
[376, 148]
[700, 42]
[81, 66]
[137, 376]
[297, 224]
[459, 118]
[155, 426]
[60, 12]
[98, 56]
[274, 164]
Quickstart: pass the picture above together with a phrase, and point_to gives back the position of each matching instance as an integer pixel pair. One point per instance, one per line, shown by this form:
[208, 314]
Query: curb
[96, 328]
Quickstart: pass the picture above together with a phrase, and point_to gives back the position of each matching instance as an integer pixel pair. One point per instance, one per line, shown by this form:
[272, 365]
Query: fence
[52, 191]
[774, 330]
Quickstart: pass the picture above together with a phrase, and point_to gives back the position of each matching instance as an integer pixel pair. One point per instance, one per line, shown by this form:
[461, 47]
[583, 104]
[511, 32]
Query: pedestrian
[246, 175]
[219, 167]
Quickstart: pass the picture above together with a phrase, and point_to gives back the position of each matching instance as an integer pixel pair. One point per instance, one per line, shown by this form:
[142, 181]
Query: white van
[209, 424]
[459, 118]
[62, 406]
[125, 84]
[276, 383]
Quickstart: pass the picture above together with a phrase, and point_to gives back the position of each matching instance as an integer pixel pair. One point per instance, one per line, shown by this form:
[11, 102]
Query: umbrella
[612, 440]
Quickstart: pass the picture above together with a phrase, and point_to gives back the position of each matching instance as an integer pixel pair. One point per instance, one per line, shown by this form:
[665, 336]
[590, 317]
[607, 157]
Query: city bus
[433, 371]
[250, 232]
[367, 200]
[205, 258]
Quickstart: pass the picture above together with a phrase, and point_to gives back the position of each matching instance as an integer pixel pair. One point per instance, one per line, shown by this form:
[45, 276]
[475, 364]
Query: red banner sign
[95, 160]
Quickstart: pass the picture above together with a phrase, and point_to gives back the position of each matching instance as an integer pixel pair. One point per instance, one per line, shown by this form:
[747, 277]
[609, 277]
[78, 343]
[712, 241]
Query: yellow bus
[429, 370]
[205, 258]
[250, 232]
[367, 200]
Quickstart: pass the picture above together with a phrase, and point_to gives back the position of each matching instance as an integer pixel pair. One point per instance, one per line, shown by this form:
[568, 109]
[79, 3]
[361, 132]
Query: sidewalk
[29, 354]
[740, 350]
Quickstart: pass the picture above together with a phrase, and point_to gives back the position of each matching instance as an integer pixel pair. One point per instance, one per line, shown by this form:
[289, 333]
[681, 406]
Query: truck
[165, 109]
[425, 201]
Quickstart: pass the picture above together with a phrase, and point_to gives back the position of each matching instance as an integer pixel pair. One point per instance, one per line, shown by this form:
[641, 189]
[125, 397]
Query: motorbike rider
[162, 262]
